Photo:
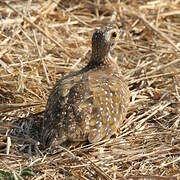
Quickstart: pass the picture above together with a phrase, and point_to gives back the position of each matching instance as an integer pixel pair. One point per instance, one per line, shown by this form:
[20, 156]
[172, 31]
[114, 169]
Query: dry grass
[40, 41]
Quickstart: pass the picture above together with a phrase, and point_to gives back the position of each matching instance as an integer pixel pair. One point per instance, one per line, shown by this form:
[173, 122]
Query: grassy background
[42, 40]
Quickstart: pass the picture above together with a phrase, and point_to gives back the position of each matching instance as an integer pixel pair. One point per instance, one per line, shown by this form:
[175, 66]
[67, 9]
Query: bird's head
[103, 41]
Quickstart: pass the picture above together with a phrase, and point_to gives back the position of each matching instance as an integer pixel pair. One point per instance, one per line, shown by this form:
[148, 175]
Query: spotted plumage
[89, 104]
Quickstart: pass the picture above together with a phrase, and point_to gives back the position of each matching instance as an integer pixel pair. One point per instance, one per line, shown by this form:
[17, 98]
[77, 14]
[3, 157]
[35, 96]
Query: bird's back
[87, 105]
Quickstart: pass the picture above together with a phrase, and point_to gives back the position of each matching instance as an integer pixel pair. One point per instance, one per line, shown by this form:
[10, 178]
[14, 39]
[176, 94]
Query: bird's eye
[114, 35]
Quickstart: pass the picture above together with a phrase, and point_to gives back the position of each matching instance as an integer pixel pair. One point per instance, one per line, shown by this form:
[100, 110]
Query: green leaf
[6, 175]
[27, 172]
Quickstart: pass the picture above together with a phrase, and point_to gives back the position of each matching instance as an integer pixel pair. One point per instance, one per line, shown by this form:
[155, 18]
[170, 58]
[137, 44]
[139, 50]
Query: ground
[40, 41]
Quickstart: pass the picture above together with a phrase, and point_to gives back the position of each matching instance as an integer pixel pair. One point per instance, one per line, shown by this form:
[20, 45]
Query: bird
[88, 105]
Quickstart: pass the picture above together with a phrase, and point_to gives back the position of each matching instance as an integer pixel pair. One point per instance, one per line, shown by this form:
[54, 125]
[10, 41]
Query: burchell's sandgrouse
[90, 104]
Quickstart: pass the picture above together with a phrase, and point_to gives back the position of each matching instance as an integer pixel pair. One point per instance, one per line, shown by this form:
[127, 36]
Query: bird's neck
[96, 61]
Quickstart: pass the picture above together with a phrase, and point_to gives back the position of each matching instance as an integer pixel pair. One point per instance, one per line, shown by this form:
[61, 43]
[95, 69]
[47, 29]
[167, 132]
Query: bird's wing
[98, 103]
[54, 120]
[109, 101]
